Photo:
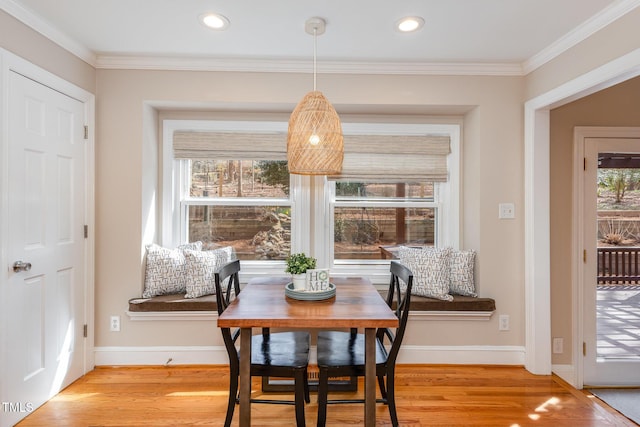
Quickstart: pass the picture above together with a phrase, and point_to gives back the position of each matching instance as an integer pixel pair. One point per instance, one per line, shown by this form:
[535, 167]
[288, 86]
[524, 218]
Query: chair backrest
[399, 299]
[227, 289]
[227, 284]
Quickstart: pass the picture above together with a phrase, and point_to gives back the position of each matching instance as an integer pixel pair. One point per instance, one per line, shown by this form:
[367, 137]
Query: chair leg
[306, 387]
[300, 396]
[391, 398]
[383, 390]
[233, 396]
[323, 390]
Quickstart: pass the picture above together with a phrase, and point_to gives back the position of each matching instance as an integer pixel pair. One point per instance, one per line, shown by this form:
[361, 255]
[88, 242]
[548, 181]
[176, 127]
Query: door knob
[19, 266]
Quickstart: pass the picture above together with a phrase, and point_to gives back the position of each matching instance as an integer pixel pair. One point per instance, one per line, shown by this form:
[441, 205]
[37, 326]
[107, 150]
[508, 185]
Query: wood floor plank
[426, 395]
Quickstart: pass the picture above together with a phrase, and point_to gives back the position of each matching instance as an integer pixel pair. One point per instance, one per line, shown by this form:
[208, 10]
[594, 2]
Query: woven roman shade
[394, 158]
[373, 158]
[229, 145]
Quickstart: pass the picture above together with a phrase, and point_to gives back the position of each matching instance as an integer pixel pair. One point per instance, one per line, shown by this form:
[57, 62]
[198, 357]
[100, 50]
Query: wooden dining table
[262, 304]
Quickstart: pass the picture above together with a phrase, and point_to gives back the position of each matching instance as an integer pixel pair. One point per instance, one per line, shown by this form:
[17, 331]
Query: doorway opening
[618, 249]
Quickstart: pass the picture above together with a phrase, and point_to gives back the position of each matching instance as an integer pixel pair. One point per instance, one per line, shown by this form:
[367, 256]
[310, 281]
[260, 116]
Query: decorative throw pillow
[165, 270]
[430, 267]
[461, 273]
[201, 268]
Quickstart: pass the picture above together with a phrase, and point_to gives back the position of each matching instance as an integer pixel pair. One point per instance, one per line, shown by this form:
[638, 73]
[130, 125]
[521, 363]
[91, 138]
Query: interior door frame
[11, 63]
[581, 133]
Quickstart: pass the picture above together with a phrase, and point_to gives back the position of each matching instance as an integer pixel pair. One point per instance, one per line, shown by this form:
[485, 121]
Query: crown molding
[176, 63]
[580, 33]
[38, 24]
[610, 14]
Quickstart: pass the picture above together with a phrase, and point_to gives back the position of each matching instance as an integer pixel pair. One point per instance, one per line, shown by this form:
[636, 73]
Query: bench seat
[178, 302]
[459, 303]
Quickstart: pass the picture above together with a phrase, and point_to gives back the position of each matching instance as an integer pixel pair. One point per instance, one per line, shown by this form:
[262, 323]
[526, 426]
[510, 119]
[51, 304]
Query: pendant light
[314, 140]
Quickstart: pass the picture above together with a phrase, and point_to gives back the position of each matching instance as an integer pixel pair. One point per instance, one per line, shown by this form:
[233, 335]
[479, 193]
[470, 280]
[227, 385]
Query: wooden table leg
[370, 377]
[245, 377]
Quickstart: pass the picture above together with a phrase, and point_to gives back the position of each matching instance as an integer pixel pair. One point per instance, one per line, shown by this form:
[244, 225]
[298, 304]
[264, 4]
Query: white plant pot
[299, 281]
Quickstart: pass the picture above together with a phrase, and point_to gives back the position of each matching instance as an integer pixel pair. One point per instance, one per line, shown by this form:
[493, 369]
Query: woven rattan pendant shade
[314, 141]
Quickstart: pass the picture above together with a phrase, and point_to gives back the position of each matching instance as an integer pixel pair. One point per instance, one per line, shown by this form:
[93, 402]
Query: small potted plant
[297, 265]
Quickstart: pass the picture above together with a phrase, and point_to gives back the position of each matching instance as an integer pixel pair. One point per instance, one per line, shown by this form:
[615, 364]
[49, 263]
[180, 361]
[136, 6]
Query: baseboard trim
[161, 355]
[567, 373]
[217, 355]
[462, 355]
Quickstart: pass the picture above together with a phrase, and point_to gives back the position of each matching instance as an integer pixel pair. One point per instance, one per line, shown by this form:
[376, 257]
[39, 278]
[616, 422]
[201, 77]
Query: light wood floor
[427, 395]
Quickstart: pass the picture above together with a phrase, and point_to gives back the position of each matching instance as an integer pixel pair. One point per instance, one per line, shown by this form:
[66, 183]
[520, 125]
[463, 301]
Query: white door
[46, 202]
[611, 316]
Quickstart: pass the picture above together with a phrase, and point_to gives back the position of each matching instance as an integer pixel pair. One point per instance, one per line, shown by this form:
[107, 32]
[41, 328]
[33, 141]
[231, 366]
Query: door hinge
[86, 132]
[584, 163]
[584, 348]
[584, 256]
[86, 231]
[84, 330]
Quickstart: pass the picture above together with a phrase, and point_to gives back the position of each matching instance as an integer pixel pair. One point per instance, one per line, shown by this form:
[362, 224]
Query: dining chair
[280, 354]
[341, 354]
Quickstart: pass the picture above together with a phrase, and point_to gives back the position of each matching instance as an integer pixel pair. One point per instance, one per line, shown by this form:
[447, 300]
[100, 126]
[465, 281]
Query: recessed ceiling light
[214, 21]
[409, 24]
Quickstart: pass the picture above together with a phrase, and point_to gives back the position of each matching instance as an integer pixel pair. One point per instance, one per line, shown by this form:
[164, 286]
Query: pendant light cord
[315, 48]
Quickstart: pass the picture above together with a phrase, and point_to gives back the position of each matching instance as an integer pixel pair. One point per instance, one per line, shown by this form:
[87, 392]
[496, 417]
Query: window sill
[451, 315]
[172, 315]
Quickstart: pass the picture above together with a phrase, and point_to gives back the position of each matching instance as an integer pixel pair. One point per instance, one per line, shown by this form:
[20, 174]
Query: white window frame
[447, 202]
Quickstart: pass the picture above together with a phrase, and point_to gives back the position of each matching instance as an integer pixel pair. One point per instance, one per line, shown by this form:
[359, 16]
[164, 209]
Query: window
[226, 183]
[399, 185]
[368, 215]
[240, 203]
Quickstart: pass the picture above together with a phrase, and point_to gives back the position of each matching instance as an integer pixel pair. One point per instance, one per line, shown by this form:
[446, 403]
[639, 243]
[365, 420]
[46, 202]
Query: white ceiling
[516, 33]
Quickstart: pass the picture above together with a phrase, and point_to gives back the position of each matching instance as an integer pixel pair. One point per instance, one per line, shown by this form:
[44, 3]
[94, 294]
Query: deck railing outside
[619, 265]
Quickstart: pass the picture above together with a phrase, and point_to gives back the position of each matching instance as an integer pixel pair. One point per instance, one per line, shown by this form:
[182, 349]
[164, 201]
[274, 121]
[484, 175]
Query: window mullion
[300, 192]
[182, 184]
[234, 202]
[384, 204]
[323, 224]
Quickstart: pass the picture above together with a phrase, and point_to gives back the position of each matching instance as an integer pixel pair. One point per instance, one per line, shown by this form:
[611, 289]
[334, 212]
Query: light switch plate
[506, 211]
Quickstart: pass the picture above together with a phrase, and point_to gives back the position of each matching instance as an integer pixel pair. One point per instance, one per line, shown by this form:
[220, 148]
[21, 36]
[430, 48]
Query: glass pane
[618, 206]
[239, 178]
[359, 190]
[359, 232]
[255, 232]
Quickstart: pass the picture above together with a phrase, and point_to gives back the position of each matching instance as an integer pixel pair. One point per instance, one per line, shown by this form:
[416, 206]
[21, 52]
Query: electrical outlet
[503, 322]
[558, 344]
[114, 324]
